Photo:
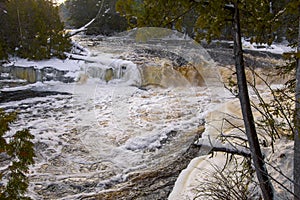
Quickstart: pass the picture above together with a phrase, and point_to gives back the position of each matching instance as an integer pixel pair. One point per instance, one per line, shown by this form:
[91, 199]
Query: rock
[109, 74]
[6, 96]
[32, 74]
[191, 74]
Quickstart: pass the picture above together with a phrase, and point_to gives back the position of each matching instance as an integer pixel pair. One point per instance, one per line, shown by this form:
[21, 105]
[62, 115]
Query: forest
[40, 30]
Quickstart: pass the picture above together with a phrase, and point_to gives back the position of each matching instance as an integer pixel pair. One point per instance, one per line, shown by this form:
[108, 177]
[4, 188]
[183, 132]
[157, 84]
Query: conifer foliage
[17, 151]
[2, 15]
[31, 29]
[107, 20]
[168, 14]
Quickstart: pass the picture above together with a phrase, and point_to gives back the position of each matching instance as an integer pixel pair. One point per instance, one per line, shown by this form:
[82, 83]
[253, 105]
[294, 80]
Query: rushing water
[123, 127]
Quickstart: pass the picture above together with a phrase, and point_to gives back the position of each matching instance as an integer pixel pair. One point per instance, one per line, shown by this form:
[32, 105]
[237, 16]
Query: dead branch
[219, 148]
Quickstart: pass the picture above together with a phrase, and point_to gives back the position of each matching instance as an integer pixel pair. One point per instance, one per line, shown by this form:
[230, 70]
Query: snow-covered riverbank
[100, 134]
[122, 127]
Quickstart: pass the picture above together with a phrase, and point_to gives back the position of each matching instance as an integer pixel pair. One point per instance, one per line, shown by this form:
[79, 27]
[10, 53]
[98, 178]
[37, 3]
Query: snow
[276, 48]
[29, 86]
[13, 80]
[124, 126]
[118, 124]
[202, 168]
[72, 32]
[63, 65]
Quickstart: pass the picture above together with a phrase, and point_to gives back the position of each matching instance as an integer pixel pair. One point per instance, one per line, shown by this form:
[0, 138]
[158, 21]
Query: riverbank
[118, 138]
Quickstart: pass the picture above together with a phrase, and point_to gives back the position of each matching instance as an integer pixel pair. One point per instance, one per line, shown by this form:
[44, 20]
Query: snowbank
[63, 65]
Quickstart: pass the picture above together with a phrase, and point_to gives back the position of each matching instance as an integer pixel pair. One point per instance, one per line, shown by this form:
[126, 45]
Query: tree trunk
[260, 168]
[297, 127]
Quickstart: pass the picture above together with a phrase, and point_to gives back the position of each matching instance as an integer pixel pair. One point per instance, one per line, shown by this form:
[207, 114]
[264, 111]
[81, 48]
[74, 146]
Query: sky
[59, 1]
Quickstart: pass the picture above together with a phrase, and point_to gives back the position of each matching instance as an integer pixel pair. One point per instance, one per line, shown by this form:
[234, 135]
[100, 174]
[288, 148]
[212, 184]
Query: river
[125, 128]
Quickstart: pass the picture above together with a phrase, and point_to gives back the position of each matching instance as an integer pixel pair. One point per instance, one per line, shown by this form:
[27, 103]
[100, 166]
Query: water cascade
[33, 74]
[128, 127]
[155, 56]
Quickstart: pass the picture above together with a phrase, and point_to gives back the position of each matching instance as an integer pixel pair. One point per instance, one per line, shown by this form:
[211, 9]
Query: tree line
[31, 29]
[78, 13]
[35, 28]
[192, 18]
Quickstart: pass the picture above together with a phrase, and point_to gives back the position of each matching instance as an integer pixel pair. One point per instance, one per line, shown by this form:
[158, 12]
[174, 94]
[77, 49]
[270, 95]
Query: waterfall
[32, 74]
[111, 133]
[152, 57]
[114, 70]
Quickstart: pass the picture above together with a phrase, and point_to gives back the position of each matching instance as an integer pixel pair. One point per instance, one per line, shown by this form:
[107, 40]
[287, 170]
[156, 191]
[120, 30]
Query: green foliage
[290, 20]
[2, 51]
[210, 19]
[211, 24]
[81, 12]
[32, 29]
[20, 152]
[167, 14]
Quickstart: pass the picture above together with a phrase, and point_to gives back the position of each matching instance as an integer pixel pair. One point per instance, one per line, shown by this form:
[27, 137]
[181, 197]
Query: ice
[100, 132]
[93, 138]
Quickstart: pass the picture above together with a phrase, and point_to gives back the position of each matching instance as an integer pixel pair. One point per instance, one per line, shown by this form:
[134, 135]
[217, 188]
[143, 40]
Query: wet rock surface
[18, 95]
[222, 52]
[177, 60]
[164, 69]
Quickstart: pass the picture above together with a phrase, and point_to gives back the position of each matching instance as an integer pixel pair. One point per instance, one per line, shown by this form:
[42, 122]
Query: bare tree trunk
[261, 170]
[297, 126]
[20, 26]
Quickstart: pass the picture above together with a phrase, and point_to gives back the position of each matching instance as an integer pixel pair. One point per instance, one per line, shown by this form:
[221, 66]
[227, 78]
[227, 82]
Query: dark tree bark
[242, 152]
[256, 154]
[297, 126]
